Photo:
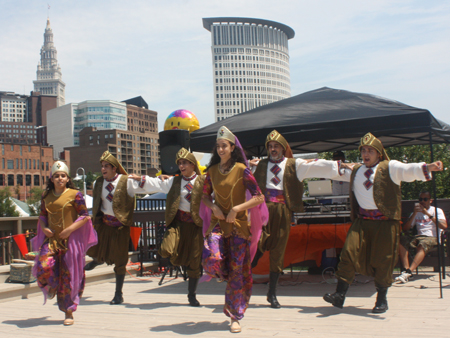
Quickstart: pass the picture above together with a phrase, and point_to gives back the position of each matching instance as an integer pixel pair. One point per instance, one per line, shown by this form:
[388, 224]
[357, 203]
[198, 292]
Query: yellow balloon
[182, 119]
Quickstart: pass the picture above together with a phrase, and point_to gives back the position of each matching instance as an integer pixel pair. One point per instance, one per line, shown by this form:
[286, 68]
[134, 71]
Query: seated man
[424, 218]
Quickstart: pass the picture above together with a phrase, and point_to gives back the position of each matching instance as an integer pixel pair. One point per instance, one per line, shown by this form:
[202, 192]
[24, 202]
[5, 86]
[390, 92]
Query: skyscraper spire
[48, 75]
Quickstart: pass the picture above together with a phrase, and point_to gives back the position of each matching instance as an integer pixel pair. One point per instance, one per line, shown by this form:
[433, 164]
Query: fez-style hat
[277, 137]
[372, 141]
[108, 157]
[183, 153]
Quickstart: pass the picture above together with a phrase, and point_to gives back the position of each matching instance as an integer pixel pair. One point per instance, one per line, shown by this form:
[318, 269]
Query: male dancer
[112, 213]
[183, 239]
[280, 179]
[371, 247]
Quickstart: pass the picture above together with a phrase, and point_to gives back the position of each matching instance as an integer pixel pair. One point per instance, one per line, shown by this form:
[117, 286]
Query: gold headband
[225, 134]
[108, 157]
[372, 141]
[184, 154]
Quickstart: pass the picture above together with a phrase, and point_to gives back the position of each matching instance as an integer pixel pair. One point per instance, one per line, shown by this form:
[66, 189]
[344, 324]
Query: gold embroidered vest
[229, 190]
[123, 204]
[173, 200]
[61, 214]
[292, 187]
[386, 194]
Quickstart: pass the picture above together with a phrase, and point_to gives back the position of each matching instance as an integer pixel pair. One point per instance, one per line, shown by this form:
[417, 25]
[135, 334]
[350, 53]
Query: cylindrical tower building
[250, 63]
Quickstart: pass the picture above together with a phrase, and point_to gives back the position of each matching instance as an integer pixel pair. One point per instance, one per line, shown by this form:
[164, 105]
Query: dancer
[183, 240]
[64, 233]
[280, 179]
[112, 212]
[227, 243]
[371, 247]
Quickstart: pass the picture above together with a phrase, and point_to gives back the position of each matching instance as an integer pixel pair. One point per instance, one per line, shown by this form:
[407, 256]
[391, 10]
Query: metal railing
[148, 215]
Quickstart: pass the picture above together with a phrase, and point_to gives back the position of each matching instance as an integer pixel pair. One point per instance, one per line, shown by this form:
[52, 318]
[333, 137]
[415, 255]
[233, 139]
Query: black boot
[192, 288]
[118, 297]
[258, 255]
[91, 265]
[381, 305]
[272, 294]
[337, 298]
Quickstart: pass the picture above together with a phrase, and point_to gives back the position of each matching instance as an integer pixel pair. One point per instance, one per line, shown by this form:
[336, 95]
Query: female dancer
[64, 234]
[227, 243]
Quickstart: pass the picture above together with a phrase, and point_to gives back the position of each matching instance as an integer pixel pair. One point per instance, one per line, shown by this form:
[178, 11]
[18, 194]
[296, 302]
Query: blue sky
[159, 49]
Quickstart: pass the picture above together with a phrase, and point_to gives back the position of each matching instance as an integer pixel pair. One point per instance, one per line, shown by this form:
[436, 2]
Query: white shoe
[404, 277]
[235, 326]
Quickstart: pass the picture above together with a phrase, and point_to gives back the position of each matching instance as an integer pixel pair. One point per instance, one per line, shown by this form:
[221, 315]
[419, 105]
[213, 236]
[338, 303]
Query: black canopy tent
[328, 119]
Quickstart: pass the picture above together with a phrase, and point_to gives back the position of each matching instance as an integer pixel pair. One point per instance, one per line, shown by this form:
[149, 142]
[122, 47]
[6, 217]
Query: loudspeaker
[170, 142]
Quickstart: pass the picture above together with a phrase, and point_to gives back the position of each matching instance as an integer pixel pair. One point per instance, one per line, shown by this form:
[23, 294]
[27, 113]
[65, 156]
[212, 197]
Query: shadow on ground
[33, 322]
[191, 328]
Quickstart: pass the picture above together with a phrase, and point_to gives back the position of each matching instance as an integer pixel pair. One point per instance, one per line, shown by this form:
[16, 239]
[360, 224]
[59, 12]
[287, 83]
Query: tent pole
[441, 269]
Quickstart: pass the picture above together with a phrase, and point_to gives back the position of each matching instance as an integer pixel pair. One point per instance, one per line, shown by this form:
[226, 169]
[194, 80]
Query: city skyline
[160, 50]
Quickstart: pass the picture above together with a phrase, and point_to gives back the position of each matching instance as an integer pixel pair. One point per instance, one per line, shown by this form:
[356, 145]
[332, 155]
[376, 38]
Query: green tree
[90, 179]
[414, 154]
[7, 208]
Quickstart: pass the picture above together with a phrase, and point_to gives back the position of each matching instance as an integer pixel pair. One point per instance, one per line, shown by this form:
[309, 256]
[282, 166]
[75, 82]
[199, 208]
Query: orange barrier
[307, 242]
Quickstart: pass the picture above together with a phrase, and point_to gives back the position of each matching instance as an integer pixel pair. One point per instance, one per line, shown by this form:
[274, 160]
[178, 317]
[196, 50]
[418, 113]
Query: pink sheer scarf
[78, 244]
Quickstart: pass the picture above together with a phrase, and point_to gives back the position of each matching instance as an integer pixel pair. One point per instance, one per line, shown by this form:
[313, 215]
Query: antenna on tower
[48, 11]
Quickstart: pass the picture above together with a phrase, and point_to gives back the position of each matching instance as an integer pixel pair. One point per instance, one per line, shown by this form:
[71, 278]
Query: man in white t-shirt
[424, 219]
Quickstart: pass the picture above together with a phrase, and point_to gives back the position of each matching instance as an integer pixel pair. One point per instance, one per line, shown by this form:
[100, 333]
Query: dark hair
[236, 156]
[425, 192]
[338, 153]
[51, 186]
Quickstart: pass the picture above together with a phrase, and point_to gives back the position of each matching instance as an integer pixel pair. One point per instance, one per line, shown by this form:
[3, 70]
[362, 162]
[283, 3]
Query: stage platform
[415, 310]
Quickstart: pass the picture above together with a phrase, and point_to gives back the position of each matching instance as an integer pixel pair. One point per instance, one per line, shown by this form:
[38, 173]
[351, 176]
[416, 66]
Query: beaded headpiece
[225, 134]
[59, 166]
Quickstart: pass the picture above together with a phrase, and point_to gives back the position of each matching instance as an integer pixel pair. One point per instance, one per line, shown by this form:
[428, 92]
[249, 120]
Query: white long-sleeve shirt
[154, 184]
[132, 189]
[398, 171]
[318, 169]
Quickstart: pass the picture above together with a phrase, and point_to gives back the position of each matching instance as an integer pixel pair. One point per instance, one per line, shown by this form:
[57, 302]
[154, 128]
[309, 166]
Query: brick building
[139, 117]
[138, 152]
[23, 167]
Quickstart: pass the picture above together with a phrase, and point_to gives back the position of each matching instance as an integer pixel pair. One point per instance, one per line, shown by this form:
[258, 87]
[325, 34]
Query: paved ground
[415, 310]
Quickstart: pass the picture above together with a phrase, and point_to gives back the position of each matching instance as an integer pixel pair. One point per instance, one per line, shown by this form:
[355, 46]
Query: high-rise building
[136, 146]
[13, 107]
[23, 118]
[65, 123]
[48, 75]
[250, 63]
[140, 118]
